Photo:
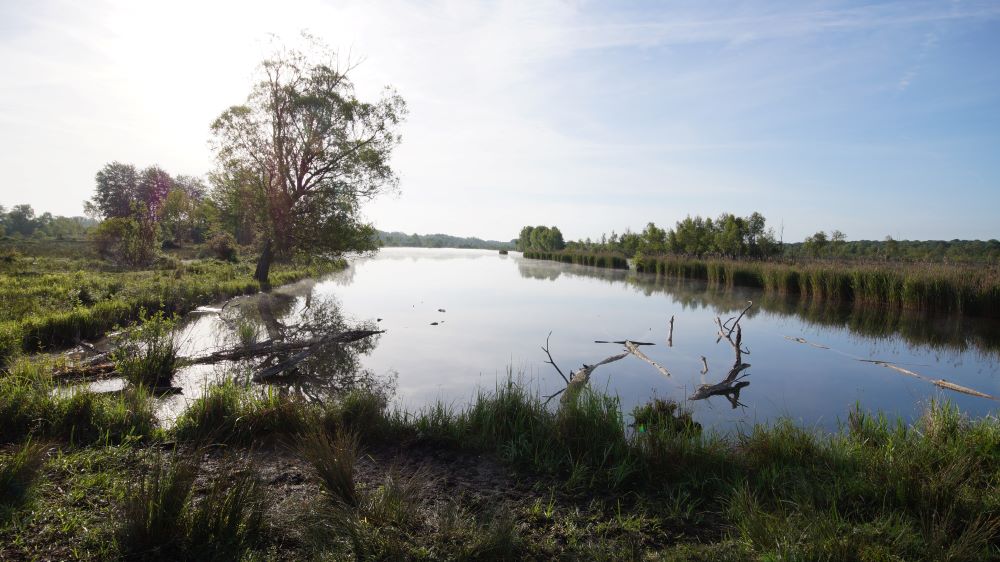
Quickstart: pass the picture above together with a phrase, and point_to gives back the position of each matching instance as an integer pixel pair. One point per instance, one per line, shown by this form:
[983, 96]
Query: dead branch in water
[581, 377]
[670, 335]
[634, 350]
[730, 386]
[551, 361]
[940, 383]
[96, 371]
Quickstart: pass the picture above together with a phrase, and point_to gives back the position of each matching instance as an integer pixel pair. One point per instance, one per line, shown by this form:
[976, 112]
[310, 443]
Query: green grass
[145, 353]
[231, 412]
[660, 487]
[31, 407]
[51, 302]
[610, 261]
[18, 472]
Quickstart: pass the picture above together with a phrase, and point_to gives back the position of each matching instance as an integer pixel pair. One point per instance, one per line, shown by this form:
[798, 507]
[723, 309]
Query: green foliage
[145, 352]
[222, 245]
[21, 223]
[540, 238]
[401, 239]
[125, 241]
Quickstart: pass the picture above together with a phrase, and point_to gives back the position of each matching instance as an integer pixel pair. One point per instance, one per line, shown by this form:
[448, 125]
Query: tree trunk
[264, 264]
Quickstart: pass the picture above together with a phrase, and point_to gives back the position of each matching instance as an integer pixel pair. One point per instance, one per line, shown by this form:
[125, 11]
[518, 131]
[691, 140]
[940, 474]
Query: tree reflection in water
[298, 315]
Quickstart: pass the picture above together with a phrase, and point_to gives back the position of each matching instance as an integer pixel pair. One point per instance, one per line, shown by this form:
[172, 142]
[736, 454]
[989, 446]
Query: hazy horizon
[874, 119]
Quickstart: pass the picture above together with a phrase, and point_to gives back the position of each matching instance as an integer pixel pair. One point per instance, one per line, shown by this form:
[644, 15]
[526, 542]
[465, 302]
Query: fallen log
[90, 372]
[269, 347]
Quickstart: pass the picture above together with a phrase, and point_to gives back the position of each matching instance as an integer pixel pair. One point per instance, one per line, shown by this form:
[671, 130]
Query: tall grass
[161, 519]
[145, 353]
[924, 287]
[231, 412]
[18, 472]
[30, 407]
[610, 261]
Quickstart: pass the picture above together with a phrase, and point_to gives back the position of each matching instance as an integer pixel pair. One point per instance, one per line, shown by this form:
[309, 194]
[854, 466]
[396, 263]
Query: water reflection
[948, 333]
[291, 313]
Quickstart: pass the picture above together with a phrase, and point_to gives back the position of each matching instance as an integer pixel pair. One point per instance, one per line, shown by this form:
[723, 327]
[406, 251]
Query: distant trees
[401, 239]
[143, 209]
[22, 222]
[305, 153]
[541, 238]
[728, 235]
[816, 244]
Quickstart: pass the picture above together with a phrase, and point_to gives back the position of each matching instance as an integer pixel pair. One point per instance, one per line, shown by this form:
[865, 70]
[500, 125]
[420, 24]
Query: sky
[872, 118]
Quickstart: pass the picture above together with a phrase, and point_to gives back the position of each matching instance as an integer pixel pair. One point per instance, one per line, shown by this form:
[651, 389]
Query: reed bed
[608, 261]
[959, 289]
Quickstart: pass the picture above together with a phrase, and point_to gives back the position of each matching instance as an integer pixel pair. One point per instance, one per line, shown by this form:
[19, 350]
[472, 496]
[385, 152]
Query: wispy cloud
[701, 107]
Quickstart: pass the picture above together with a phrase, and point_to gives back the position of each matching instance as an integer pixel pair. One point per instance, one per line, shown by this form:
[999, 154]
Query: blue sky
[874, 118]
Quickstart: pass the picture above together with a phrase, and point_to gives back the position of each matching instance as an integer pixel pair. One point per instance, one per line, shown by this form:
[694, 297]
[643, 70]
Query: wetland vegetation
[288, 447]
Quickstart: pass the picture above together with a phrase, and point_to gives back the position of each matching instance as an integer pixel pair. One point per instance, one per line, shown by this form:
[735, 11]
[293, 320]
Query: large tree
[311, 152]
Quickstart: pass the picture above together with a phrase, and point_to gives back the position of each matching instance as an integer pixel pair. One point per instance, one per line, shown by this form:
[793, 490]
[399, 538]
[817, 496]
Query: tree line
[749, 237]
[21, 222]
[726, 236]
[401, 239]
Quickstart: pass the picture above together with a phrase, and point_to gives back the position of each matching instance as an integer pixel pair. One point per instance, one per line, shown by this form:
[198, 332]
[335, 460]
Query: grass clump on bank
[231, 412]
[18, 472]
[161, 519]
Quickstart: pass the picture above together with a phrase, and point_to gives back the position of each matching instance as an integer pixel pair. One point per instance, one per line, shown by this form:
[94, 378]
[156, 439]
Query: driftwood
[730, 386]
[634, 350]
[623, 342]
[940, 383]
[581, 377]
[670, 335]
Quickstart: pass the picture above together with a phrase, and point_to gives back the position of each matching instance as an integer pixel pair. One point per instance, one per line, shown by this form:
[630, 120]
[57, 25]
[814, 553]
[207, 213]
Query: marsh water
[457, 321]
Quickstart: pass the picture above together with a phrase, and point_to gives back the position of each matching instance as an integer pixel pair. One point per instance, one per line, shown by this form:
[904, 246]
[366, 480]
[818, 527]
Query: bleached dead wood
[634, 350]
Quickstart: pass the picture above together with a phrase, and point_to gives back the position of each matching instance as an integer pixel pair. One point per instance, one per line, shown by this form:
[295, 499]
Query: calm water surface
[498, 310]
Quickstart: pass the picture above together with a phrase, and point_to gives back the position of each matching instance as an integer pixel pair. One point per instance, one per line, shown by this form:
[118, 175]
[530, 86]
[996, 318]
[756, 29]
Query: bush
[222, 246]
[125, 241]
